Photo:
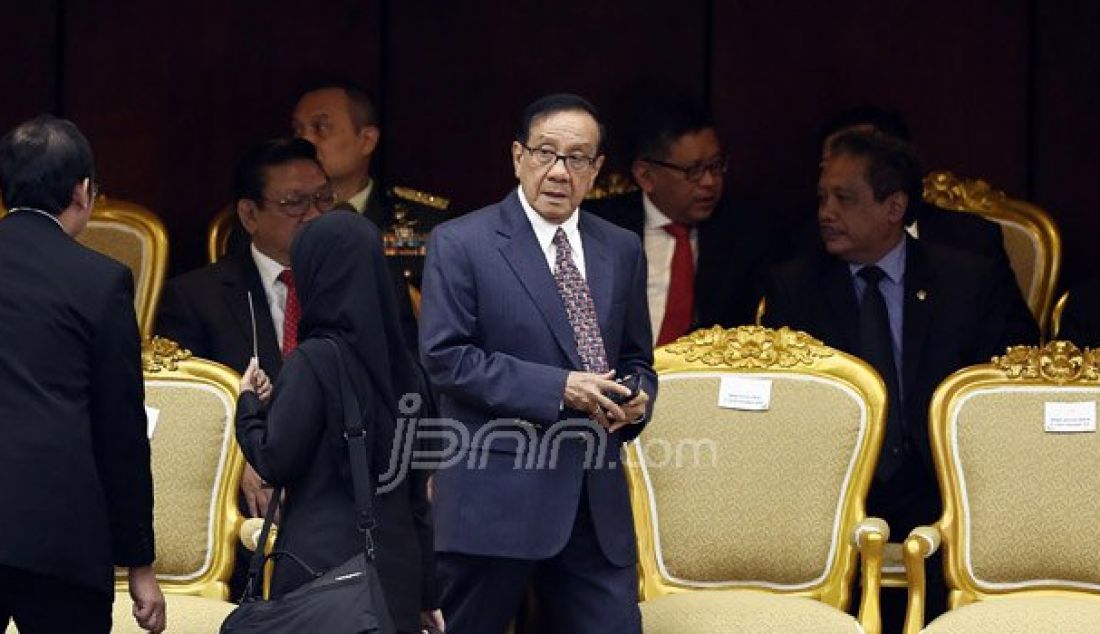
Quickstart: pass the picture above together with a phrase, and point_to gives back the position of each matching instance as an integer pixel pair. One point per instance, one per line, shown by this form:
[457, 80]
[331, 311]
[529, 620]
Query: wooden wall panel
[170, 94]
[957, 70]
[28, 48]
[458, 75]
[1067, 128]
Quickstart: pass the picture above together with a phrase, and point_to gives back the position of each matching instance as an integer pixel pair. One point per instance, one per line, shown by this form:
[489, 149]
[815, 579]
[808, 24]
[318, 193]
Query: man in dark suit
[531, 308]
[279, 187]
[707, 254]
[75, 484]
[964, 231]
[915, 310]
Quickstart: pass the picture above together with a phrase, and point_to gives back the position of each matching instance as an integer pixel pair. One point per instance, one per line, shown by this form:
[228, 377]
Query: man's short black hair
[660, 121]
[363, 111]
[551, 104]
[251, 175]
[889, 122]
[41, 161]
[892, 165]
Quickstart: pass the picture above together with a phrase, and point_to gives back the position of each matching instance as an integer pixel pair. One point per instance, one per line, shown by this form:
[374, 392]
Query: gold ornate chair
[1032, 241]
[1019, 529]
[1056, 315]
[750, 521]
[196, 472]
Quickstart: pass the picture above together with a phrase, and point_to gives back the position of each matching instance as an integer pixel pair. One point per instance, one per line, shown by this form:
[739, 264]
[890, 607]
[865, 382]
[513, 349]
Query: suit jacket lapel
[597, 269]
[841, 300]
[239, 280]
[917, 312]
[524, 255]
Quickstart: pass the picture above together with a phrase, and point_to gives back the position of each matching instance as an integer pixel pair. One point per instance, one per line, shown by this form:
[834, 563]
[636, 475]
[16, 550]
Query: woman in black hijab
[296, 440]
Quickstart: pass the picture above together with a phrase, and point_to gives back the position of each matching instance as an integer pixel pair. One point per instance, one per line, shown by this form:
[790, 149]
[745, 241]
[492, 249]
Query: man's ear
[643, 175]
[517, 156]
[246, 211]
[369, 137]
[896, 204]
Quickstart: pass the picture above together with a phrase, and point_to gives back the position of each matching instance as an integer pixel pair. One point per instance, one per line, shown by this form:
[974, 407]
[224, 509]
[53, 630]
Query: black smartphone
[632, 383]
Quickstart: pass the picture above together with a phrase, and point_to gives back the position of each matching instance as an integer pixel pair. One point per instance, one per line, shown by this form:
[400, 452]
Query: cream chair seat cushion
[706, 612]
[1022, 615]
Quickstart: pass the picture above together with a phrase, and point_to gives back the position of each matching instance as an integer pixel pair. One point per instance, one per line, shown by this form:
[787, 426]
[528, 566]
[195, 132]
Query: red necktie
[680, 301]
[291, 313]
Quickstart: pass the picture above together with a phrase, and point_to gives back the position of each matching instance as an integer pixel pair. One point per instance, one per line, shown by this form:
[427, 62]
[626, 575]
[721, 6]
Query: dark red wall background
[1008, 90]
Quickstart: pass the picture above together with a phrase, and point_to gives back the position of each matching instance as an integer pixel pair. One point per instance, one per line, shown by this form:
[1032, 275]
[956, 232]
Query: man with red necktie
[706, 255]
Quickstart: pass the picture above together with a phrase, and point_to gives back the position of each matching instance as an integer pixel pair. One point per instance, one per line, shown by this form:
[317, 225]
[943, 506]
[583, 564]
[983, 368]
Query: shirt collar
[359, 200]
[40, 212]
[545, 230]
[892, 264]
[269, 269]
[654, 219]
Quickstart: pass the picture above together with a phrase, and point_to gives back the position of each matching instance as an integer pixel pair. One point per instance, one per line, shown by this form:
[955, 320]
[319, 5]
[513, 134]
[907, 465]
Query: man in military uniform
[342, 122]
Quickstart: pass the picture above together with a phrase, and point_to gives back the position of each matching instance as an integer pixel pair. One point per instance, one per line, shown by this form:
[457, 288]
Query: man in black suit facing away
[706, 253]
[279, 186]
[75, 483]
[915, 310]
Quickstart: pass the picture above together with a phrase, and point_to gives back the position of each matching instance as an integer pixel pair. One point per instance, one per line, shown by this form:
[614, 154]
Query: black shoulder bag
[345, 600]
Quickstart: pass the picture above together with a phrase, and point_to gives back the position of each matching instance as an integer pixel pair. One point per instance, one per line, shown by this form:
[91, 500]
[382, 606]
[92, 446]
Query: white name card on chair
[1070, 418]
[736, 392]
[152, 415]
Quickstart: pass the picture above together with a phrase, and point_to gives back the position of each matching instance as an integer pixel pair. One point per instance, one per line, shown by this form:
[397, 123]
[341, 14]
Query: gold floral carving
[749, 347]
[159, 354]
[1058, 361]
[945, 190]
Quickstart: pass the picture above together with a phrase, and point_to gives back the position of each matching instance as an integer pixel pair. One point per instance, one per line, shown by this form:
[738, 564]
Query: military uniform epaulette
[414, 214]
[424, 198]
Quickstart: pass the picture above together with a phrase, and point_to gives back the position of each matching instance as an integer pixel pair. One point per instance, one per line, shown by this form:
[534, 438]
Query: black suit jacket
[76, 491]
[958, 311]
[737, 246]
[206, 311]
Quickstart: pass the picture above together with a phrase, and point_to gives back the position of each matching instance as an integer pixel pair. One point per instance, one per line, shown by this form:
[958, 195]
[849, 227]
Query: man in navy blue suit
[531, 309]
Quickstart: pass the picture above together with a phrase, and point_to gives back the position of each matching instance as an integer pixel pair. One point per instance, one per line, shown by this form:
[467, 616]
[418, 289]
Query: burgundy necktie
[579, 307]
[291, 313]
[680, 301]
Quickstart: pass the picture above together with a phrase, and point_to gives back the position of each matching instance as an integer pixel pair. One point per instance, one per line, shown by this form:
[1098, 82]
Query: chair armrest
[870, 537]
[921, 543]
[250, 532]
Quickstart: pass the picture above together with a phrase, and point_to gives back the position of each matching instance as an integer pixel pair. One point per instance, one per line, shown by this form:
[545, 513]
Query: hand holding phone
[632, 383]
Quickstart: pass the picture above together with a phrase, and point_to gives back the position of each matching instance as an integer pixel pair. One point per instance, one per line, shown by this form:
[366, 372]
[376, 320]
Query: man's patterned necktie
[579, 307]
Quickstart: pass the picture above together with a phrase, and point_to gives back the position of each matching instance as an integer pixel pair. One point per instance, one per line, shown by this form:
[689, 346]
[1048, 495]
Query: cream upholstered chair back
[1017, 452]
[197, 467]
[134, 236]
[1032, 241]
[735, 489]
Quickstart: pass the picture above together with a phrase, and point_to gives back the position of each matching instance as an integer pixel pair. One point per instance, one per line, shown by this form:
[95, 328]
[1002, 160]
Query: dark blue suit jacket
[497, 345]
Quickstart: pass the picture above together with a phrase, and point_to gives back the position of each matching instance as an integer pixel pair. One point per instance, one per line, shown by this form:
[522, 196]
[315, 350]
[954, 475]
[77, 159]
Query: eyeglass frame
[589, 161]
[313, 199]
[715, 168]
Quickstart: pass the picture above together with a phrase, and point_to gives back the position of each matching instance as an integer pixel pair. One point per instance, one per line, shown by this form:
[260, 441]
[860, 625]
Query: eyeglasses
[544, 157]
[694, 173]
[299, 205]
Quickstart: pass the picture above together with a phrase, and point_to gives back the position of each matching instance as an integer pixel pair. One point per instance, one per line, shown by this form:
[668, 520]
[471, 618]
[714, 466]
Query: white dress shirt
[659, 247]
[545, 230]
[359, 200]
[274, 289]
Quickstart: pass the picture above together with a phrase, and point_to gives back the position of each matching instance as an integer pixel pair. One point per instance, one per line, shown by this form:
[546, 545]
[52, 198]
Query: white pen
[252, 314]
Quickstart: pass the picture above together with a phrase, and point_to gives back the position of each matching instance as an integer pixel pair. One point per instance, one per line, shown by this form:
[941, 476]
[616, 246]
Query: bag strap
[355, 435]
